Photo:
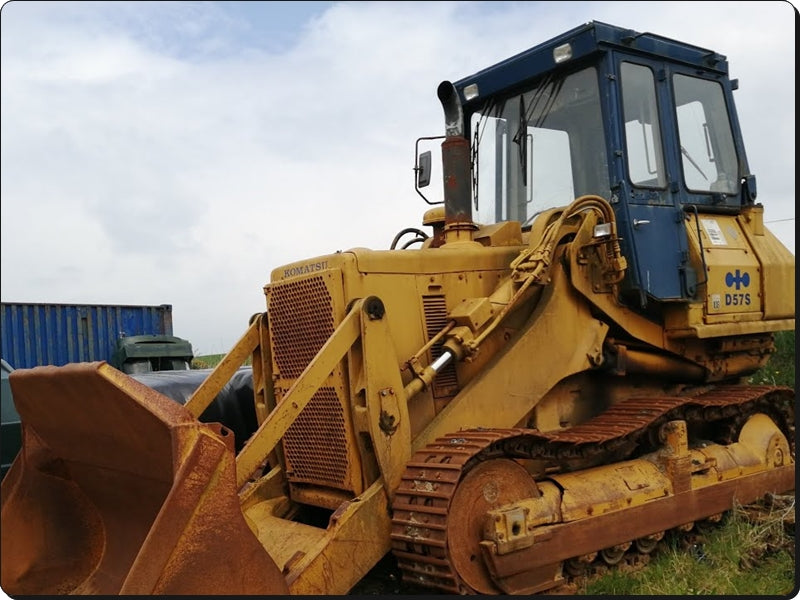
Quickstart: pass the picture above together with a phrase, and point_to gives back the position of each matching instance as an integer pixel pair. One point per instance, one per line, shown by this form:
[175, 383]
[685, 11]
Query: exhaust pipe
[456, 169]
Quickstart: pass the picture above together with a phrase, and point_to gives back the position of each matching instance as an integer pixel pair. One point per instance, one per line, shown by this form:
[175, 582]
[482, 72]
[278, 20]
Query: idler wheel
[487, 486]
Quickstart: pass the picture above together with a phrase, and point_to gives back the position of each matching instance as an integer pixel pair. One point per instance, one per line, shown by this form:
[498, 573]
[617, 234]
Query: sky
[177, 152]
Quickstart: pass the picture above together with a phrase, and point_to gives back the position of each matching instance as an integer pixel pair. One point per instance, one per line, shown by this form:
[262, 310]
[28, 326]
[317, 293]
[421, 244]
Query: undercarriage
[518, 511]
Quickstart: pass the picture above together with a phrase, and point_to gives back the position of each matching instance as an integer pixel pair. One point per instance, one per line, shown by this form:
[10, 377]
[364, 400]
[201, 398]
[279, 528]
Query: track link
[421, 503]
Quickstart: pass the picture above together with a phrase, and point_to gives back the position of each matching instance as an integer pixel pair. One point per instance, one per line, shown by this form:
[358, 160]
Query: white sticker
[716, 301]
[714, 232]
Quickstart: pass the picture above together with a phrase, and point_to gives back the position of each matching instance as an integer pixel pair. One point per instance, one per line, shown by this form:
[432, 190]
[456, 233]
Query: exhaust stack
[456, 169]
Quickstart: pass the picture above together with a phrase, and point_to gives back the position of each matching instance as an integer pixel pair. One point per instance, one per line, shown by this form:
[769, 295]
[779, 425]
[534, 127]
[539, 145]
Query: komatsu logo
[737, 281]
[305, 269]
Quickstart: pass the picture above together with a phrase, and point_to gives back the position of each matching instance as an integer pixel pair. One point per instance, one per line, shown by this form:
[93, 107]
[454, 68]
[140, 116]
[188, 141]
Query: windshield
[540, 149]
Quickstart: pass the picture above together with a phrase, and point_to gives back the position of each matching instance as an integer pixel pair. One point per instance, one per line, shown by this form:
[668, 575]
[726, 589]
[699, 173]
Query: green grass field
[210, 360]
[750, 553]
[780, 368]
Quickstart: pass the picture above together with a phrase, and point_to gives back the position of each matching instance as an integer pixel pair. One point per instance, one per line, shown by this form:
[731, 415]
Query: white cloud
[150, 155]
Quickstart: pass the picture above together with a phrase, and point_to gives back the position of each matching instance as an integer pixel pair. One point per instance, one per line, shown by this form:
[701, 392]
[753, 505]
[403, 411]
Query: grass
[212, 360]
[206, 362]
[780, 368]
[750, 553]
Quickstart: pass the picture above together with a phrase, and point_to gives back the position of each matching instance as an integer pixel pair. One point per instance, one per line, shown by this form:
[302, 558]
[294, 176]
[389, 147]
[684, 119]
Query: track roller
[648, 543]
[611, 556]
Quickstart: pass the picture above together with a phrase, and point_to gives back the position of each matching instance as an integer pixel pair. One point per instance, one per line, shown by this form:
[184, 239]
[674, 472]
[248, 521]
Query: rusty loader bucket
[119, 490]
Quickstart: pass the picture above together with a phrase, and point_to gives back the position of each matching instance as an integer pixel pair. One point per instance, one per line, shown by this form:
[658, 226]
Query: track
[422, 508]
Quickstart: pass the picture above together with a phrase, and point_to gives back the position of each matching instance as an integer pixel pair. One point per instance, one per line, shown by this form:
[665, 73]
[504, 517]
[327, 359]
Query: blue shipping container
[57, 334]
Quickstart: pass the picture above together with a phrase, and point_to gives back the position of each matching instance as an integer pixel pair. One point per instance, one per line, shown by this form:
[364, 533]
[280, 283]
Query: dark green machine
[146, 353]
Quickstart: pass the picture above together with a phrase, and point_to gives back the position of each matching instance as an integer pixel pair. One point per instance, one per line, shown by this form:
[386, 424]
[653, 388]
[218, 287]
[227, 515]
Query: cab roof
[585, 40]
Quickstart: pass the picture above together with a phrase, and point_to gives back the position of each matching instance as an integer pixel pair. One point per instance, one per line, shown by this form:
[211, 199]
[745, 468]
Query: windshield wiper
[685, 152]
[520, 139]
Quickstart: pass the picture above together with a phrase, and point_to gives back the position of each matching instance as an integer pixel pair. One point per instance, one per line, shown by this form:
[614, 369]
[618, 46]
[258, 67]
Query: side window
[708, 154]
[491, 169]
[642, 131]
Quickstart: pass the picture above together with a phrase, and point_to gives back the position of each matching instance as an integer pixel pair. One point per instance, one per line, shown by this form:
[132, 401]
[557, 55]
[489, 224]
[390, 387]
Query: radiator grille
[445, 384]
[301, 321]
[316, 442]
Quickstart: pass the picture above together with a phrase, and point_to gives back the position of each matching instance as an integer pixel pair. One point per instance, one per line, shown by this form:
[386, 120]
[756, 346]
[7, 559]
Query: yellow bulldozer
[552, 371]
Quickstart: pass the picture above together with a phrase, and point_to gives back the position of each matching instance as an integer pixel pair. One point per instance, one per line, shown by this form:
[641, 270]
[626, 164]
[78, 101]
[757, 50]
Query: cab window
[645, 156]
[708, 154]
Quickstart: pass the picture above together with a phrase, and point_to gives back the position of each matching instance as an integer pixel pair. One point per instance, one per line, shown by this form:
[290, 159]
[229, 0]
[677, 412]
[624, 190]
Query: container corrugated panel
[57, 334]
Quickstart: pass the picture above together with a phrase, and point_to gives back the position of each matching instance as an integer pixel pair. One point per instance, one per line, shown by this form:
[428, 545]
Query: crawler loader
[554, 372]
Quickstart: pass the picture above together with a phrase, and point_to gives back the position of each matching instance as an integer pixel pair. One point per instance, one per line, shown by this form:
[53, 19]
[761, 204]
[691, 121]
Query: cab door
[650, 216]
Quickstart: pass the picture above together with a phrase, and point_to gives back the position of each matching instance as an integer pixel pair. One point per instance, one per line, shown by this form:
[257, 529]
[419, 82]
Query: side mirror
[423, 169]
[423, 166]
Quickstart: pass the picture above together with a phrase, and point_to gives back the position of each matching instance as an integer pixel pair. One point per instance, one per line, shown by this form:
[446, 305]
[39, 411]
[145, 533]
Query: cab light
[471, 92]
[562, 53]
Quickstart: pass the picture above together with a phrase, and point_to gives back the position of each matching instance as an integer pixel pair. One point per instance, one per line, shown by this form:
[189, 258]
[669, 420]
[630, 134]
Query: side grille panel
[320, 426]
[445, 385]
[318, 446]
[301, 318]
